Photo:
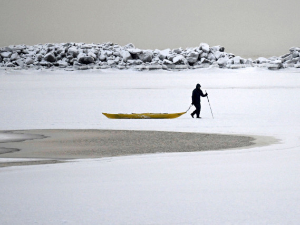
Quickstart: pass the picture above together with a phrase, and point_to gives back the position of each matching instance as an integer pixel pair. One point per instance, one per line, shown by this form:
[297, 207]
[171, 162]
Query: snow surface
[258, 185]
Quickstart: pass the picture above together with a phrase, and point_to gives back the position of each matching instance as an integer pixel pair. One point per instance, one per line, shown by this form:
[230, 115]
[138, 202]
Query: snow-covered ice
[258, 185]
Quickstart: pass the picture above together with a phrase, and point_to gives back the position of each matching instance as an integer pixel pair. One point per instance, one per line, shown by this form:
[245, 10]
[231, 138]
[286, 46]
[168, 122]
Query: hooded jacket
[197, 92]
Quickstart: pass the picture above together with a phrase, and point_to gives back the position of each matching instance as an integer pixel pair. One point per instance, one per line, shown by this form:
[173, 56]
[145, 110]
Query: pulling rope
[188, 108]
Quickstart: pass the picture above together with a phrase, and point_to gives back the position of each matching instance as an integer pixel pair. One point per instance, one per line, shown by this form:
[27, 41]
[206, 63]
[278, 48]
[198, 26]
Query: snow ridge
[81, 56]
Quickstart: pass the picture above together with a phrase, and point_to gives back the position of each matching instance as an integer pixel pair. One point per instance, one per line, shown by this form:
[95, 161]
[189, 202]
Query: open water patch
[76, 144]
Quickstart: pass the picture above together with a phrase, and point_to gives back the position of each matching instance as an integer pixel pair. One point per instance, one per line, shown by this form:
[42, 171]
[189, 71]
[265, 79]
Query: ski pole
[209, 105]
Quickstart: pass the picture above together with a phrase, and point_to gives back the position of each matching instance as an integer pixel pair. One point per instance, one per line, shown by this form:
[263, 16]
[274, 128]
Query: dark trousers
[198, 109]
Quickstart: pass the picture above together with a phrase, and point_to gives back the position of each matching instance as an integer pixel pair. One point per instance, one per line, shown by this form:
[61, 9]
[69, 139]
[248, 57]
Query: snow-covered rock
[20, 62]
[6, 54]
[177, 50]
[249, 62]
[292, 61]
[108, 53]
[14, 56]
[92, 54]
[217, 48]
[287, 57]
[163, 54]
[134, 51]
[167, 62]
[116, 54]
[218, 54]
[45, 63]
[129, 46]
[211, 57]
[222, 62]
[87, 56]
[10, 64]
[38, 57]
[204, 60]
[192, 57]
[274, 63]
[203, 55]
[295, 54]
[292, 49]
[204, 47]
[84, 59]
[145, 56]
[29, 61]
[271, 66]
[102, 57]
[50, 57]
[125, 55]
[73, 51]
[62, 64]
[237, 60]
[111, 62]
[179, 59]
[261, 60]
[297, 65]
[7, 49]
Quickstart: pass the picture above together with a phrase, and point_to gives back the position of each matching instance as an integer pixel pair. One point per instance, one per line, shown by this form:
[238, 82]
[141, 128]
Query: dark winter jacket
[197, 92]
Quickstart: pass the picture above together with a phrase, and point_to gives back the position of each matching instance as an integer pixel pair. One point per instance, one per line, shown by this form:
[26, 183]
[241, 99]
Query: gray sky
[243, 27]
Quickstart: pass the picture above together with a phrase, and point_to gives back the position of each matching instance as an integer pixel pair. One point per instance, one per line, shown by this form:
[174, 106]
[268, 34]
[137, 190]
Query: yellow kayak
[143, 115]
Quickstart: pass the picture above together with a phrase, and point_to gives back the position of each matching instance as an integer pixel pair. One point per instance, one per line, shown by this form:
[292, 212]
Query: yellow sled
[143, 115]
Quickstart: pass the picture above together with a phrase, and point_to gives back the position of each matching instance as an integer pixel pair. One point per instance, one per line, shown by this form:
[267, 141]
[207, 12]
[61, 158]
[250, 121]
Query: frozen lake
[257, 185]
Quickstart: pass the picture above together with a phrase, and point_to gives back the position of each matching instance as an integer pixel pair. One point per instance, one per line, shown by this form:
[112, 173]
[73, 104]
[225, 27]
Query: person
[197, 94]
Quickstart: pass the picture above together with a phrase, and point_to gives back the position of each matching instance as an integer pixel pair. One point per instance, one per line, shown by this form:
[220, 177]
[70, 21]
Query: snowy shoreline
[81, 56]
